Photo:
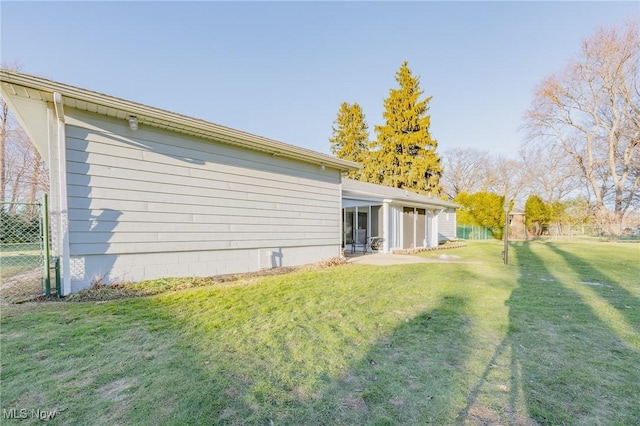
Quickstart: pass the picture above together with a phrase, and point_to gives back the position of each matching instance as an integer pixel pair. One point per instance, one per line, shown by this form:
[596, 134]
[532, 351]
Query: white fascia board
[414, 204]
[363, 196]
[359, 195]
[179, 122]
[358, 198]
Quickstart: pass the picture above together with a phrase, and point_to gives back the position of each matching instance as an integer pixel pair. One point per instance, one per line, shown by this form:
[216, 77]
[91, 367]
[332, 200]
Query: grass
[16, 258]
[21, 271]
[554, 338]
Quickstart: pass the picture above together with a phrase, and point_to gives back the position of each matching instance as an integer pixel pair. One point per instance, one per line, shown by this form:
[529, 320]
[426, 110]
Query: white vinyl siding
[447, 225]
[154, 191]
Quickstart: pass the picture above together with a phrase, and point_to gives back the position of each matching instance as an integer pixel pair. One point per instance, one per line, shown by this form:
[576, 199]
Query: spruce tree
[405, 154]
[350, 139]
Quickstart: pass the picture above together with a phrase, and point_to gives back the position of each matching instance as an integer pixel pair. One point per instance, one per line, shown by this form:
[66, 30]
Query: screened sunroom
[381, 218]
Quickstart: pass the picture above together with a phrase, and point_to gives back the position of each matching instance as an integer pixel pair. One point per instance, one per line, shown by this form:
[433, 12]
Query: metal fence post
[58, 283]
[45, 240]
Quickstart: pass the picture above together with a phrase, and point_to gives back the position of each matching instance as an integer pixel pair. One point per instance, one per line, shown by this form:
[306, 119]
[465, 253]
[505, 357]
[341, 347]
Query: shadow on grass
[117, 363]
[407, 376]
[618, 297]
[477, 411]
[569, 365]
[247, 355]
[385, 351]
[559, 363]
[410, 376]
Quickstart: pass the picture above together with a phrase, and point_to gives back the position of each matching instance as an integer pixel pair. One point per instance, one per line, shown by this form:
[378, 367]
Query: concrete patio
[385, 259]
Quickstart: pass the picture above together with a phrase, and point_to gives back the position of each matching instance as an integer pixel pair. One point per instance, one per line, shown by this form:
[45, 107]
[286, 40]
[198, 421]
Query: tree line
[580, 158]
[579, 161]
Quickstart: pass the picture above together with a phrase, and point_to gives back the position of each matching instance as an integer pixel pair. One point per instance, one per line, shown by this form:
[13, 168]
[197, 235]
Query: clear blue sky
[281, 69]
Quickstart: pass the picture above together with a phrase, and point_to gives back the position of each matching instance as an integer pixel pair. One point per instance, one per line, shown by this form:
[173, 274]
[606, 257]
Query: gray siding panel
[137, 266]
[154, 191]
[447, 225]
[184, 151]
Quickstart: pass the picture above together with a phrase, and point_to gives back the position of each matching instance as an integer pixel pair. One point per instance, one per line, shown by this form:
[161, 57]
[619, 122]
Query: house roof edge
[201, 127]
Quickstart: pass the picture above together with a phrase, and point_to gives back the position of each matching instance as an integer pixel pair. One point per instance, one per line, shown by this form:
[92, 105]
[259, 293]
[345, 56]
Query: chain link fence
[553, 232]
[592, 232]
[22, 251]
[470, 232]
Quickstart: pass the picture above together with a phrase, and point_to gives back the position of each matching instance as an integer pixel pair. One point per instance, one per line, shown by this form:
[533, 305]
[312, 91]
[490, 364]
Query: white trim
[341, 236]
[385, 227]
[61, 177]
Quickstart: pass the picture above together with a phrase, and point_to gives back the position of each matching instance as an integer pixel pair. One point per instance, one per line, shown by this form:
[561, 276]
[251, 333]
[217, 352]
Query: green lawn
[18, 258]
[554, 338]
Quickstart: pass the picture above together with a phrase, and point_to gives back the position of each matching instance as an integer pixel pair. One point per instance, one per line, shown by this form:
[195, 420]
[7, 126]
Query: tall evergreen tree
[405, 154]
[350, 139]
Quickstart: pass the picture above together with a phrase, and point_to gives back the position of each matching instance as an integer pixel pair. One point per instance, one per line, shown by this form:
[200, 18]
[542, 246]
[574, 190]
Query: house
[517, 227]
[403, 219]
[140, 193]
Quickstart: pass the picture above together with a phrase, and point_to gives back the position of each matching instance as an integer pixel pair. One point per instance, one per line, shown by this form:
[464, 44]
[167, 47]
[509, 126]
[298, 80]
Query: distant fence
[469, 232]
[591, 231]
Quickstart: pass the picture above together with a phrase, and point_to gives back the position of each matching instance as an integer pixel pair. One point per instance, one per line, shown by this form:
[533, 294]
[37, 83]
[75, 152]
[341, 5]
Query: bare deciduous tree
[506, 176]
[24, 173]
[472, 171]
[551, 174]
[465, 170]
[592, 111]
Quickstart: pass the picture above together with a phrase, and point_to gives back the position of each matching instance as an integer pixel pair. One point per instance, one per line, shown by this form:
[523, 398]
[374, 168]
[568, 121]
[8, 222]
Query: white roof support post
[385, 227]
[433, 234]
[432, 228]
[342, 222]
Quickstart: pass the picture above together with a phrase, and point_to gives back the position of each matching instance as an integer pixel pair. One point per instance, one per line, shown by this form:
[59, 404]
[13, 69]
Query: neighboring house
[517, 227]
[402, 218]
[141, 193]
